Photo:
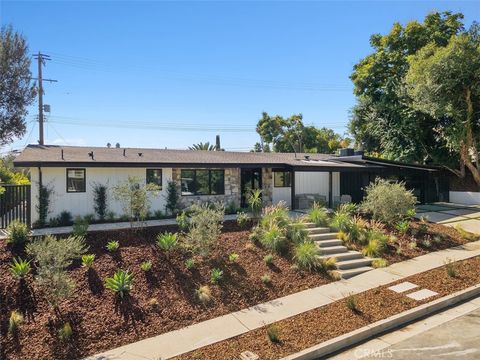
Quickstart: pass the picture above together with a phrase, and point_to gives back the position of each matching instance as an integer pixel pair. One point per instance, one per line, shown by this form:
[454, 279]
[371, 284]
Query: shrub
[426, 243]
[388, 201]
[17, 233]
[412, 245]
[65, 332]
[326, 264]
[112, 246]
[254, 201]
[376, 244]
[379, 263]
[87, 260]
[172, 197]
[204, 228]
[182, 221]
[43, 205]
[121, 283]
[273, 333]
[133, 194]
[65, 218]
[190, 264]
[80, 226]
[14, 322]
[268, 259]
[242, 219]
[340, 221]
[216, 276]
[233, 257]
[203, 294]
[100, 200]
[277, 214]
[167, 242]
[153, 303]
[306, 255]
[231, 208]
[351, 303]
[451, 268]
[402, 226]
[19, 268]
[297, 233]
[53, 256]
[146, 266]
[266, 279]
[318, 215]
[274, 238]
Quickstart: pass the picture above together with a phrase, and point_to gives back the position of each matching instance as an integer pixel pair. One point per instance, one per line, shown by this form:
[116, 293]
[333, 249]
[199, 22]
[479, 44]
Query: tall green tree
[444, 82]
[16, 90]
[383, 120]
[291, 135]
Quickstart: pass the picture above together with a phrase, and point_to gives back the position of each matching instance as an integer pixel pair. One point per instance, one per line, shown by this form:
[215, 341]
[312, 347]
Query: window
[281, 179]
[76, 180]
[154, 176]
[203, 182]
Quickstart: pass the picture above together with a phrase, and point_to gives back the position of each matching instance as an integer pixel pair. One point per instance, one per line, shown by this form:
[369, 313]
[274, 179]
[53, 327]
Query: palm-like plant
[121, 282]
[203, 146]
[20, 268]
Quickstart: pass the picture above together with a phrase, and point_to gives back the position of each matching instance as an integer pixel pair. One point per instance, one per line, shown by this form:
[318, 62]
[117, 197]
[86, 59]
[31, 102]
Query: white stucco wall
[308, 183]
[465, 197]
[80, 204]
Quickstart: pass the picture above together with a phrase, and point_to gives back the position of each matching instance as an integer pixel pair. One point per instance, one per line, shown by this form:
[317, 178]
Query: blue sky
[169, 74]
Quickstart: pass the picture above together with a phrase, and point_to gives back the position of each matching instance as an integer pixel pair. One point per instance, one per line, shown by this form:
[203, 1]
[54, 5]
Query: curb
[346, 340]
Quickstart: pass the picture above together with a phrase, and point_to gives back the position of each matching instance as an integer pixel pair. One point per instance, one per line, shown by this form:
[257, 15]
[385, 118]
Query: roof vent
[307, 157]
[62, 155]
[124, 152]
[91, 155]
[140, 154]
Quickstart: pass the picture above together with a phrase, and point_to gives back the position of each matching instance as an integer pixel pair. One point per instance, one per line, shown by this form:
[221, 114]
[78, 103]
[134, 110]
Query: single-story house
[224, 176]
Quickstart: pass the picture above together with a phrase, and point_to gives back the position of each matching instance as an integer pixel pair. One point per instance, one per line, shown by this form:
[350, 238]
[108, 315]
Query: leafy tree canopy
[444, 82]
[291, 135]
[16, 91]
[384, 120]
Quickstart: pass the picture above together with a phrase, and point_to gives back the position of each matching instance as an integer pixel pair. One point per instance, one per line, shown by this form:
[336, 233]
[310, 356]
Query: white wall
[465, 197]
[80, 204]
[308, 183]
[316, 183]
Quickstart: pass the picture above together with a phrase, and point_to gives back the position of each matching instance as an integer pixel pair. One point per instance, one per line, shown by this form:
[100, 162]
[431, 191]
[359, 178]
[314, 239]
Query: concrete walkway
[465, 216]
[208, 332]
[107, 226]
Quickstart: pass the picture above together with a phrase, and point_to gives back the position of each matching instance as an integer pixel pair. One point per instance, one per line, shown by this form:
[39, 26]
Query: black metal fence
[15, 205]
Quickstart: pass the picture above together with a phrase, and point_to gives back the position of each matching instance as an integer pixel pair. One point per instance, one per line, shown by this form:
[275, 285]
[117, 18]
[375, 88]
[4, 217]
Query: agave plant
[167, 241]
[87, 260]
[19, 268]
[121, 283]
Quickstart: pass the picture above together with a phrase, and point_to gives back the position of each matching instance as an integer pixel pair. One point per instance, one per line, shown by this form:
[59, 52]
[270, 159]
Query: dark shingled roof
[82, 156]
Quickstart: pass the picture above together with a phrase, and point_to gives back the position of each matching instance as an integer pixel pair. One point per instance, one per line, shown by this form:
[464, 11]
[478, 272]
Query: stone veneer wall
[232, 189]
[267, 186]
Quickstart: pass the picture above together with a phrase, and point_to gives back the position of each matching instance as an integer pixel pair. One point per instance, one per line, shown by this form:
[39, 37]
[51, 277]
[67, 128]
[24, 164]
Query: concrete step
[350, 255]
[353, 264]
[318, 230]
[331, 251]
[348, 273]
[324, 236]
[328, 243]
[310, 225]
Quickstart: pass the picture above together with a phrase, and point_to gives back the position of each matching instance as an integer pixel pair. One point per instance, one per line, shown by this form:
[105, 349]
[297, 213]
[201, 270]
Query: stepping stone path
[421, 294]
[349, 263]
[402, 287]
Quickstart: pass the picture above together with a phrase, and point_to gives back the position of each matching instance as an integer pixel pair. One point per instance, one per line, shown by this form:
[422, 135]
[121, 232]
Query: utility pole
[41, 62]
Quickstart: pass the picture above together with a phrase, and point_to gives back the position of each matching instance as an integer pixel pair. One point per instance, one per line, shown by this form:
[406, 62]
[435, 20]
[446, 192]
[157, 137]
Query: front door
[249, 179]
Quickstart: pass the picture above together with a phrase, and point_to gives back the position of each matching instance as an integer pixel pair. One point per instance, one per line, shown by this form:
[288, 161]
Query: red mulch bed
[324, 323]
[99, 323]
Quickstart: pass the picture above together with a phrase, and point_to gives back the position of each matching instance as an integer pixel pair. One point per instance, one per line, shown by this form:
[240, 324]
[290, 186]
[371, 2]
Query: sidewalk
[107, 226]
[221, 328]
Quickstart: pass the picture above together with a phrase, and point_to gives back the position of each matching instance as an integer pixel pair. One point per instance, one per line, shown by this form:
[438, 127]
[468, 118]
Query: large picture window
[76, 180]
[203, 182]
[281, 179]
[154, 176]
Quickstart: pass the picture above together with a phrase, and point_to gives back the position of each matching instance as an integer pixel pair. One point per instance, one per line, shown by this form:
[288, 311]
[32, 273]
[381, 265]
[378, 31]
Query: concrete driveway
[456, 339]
[448, 214]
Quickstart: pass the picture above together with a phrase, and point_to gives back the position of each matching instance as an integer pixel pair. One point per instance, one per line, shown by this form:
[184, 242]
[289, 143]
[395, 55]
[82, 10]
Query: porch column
[292, 189]
[330, 202]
